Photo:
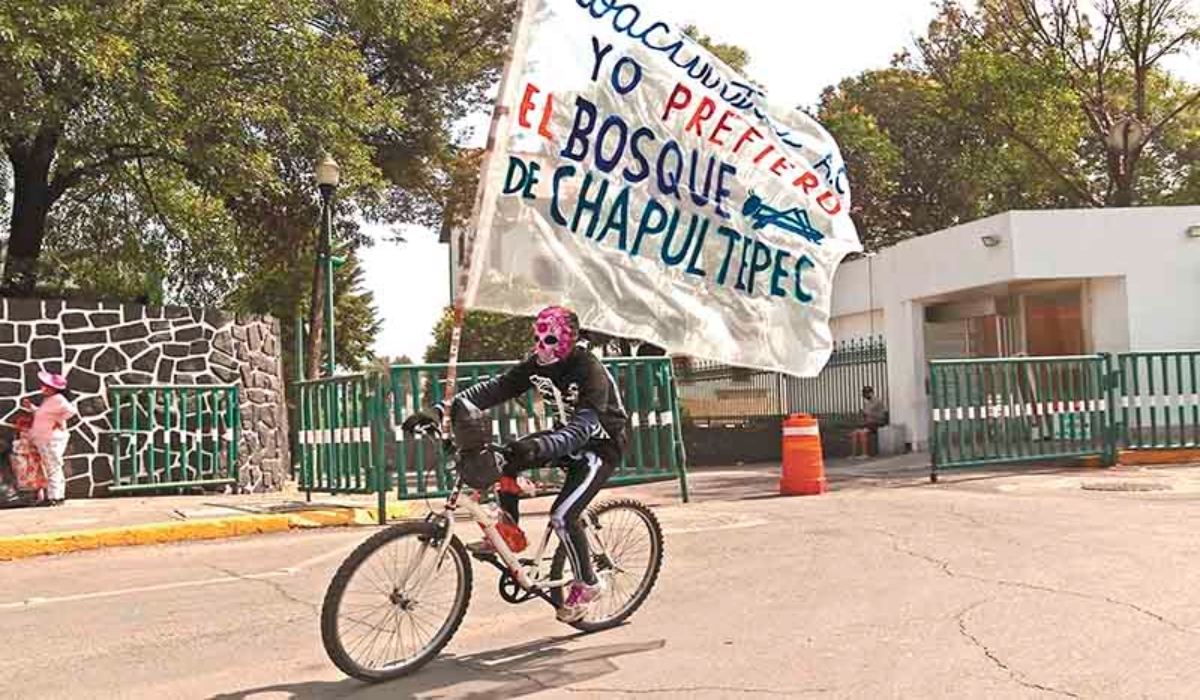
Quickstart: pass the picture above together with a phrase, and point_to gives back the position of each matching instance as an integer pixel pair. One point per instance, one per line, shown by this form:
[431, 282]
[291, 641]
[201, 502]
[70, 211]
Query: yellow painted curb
[24, 546]
[1139, 458]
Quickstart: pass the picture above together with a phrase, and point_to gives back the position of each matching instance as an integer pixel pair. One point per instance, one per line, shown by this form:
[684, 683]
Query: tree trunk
[32, 199]
[1123, 195]
[316, 318]
[1124, 175]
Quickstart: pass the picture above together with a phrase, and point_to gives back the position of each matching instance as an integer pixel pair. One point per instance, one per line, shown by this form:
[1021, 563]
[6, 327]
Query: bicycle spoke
[396, 640]
[371, 647]
[397, 602]
[624, 541]
[419, 627]
[364, 643]
[627, 534]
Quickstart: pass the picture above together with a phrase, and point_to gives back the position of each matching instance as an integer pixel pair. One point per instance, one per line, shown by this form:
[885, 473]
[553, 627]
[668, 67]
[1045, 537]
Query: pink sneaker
[578, 599]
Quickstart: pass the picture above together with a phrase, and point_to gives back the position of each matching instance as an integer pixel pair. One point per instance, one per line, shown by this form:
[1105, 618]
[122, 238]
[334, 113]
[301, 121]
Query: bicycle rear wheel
[394, 604]
[626, 543]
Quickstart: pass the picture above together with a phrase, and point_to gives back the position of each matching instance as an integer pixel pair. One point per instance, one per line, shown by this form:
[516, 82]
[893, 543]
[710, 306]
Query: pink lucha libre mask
[554, 334]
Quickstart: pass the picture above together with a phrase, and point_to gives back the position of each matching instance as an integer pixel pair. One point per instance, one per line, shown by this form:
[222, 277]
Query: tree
[216, 97]
[1016, 63]
[356, 319]
[485, 337]
[152, 143]
[970, 128]
[916, 167]
[436, 60]
[733, 55]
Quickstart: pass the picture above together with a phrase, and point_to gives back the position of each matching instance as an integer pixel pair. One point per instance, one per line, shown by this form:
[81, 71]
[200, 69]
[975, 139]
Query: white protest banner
[636, 179]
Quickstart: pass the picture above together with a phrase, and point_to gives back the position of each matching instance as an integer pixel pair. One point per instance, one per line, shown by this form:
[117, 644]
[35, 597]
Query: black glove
[423, 419]
[521, 454]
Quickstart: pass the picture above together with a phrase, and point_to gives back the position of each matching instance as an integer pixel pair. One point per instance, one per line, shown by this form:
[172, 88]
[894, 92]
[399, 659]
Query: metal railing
[1004, 411]
[994, 412]
[837, 391]
[174, 437]
[655, 450]
[714, 392]
[349, 439]
[338, 438]
[1160, 399]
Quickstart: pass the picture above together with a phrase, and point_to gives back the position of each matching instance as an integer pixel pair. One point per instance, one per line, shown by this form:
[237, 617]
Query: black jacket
[581, 394]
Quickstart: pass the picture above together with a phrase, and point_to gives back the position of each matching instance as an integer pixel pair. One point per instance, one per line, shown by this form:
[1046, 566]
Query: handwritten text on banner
[638, 180]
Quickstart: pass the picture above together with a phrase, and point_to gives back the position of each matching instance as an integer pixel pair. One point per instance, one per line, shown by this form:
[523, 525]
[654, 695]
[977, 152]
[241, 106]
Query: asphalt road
[991, 589]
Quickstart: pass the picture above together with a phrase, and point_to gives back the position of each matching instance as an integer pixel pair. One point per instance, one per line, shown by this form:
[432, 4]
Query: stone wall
[101, 344]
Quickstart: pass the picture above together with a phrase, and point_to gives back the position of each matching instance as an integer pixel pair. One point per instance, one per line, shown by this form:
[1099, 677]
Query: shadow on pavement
[511, 672]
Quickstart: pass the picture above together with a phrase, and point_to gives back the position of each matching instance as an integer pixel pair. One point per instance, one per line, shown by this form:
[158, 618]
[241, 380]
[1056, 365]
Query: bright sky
[792, 53]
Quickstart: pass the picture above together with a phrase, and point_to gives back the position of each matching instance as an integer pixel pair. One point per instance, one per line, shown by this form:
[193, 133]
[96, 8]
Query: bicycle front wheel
[395, 603]
[626, 544]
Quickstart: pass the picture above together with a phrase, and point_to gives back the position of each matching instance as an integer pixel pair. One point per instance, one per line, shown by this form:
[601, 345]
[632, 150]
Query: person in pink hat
[49, 432]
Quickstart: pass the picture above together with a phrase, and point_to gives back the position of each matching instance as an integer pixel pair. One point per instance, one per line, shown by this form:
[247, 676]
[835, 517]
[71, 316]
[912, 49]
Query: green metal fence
[646, 385]
[716, 393]
[995, 412]
[1160, 400]
[349, 439]
[837, 390]
[339, 440]
[174, 437]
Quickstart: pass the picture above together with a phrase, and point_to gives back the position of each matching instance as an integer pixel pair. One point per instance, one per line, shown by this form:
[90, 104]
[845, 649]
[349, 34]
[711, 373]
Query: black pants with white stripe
[587, 472]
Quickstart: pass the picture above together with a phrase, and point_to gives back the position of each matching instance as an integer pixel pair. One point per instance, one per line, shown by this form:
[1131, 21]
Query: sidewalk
[81, 524]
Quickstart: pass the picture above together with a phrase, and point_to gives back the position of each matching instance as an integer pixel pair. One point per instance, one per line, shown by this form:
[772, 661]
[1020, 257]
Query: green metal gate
[647, 388]
[174, 437]
[1160, 400]
[349, 439]
[1007, 411]
[1004, 411]
[342, 436]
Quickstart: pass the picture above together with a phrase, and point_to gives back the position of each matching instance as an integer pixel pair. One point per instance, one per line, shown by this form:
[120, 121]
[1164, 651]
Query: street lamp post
[327, 182]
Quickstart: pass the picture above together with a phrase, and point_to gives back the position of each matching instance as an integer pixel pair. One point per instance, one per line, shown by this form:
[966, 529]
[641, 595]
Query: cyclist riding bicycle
[589, 437]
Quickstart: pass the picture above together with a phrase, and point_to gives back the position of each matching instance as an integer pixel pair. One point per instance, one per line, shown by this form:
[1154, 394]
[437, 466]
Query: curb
[25, 546]
[1146, 458]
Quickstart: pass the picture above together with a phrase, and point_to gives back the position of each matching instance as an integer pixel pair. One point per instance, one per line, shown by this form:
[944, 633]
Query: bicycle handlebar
[434, 432]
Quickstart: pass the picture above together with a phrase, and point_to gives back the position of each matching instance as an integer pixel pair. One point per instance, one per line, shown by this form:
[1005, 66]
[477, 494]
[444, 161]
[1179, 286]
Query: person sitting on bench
[864, 442]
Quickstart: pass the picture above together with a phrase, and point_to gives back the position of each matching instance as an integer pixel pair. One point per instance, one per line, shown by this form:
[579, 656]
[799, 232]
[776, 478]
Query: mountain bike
[401, 595]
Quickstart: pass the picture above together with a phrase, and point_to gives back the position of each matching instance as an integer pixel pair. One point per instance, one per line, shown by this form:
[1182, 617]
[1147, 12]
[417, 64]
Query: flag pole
[483, 209]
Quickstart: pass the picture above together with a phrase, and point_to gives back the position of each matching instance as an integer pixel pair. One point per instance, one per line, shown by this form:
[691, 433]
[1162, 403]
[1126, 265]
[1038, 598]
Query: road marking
[714, 528]
[94, 595]
[337, 552]
[31, 602]
[288, 571]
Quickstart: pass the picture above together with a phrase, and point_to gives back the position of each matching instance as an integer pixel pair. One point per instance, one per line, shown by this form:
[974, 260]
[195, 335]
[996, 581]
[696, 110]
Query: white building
[1024, 283]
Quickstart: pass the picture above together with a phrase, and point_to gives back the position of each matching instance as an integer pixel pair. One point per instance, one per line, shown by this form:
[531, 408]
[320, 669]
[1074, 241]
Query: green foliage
[167, 148]
[356, 319]
[485, 337]
[993, 117]
[733, 55]
[1055, 78]
[435, 60]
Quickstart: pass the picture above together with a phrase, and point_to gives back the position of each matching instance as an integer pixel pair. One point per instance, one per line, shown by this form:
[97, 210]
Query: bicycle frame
[529, 576]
